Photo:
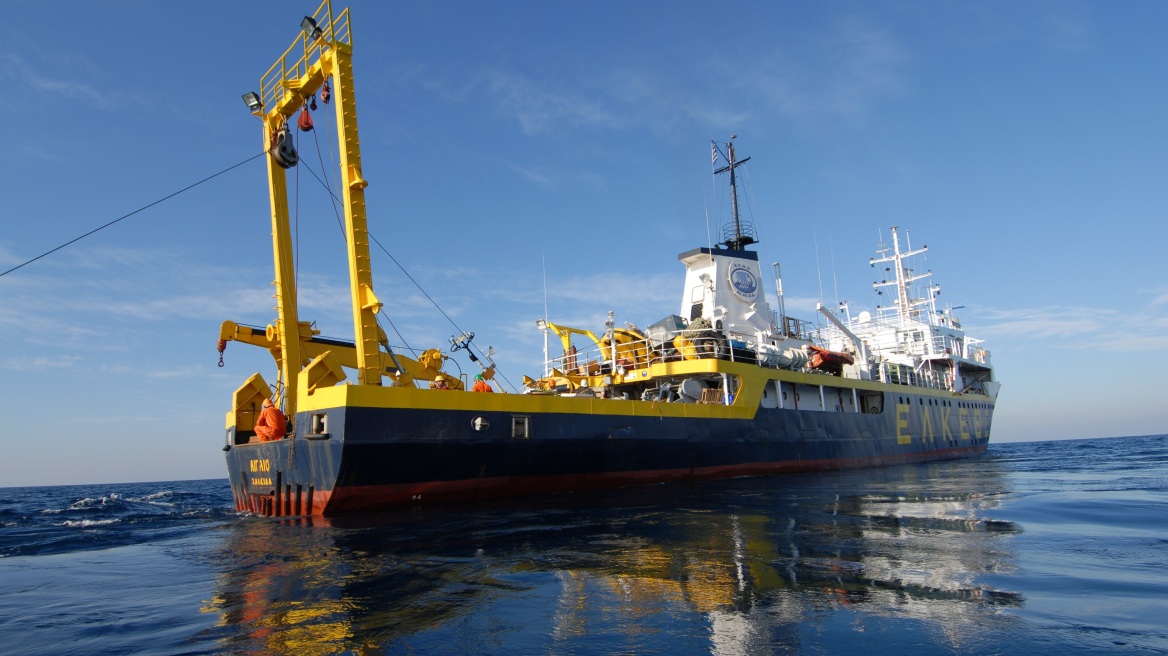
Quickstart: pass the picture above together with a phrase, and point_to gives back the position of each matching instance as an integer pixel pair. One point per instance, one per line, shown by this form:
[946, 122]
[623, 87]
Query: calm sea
[1036, 548]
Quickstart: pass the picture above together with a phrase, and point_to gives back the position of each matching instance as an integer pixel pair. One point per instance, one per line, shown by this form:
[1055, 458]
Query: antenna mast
[905, 306]
[741, 236]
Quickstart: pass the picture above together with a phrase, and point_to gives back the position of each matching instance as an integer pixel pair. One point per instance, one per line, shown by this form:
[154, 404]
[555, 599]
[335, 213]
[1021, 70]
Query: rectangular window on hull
[872, 402]
[521, 427]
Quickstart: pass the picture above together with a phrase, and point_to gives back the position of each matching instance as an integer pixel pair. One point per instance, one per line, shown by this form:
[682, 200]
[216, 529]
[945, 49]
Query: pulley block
[284, 150]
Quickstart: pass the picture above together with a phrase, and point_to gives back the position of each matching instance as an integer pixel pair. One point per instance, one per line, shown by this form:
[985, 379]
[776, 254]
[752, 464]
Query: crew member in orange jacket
[272, 424]
[481, 385]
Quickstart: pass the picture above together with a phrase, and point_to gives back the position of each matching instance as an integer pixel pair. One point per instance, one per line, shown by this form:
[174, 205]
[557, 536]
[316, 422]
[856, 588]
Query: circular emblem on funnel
[743, 282]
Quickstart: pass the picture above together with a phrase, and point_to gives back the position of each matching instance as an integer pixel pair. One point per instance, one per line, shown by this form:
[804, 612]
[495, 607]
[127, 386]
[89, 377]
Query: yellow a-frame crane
[323, 51]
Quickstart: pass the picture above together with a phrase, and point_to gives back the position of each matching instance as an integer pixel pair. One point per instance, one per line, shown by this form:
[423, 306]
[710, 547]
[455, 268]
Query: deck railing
[284, 76]
[592, 360]
[589, 359]
[901, 374]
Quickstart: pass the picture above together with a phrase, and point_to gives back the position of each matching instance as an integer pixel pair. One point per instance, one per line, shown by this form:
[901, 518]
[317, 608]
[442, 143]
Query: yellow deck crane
[305, 360]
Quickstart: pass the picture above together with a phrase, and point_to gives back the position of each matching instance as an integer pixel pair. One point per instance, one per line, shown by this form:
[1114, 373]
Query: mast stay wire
[834, 273]
[231, 168]
[325, 182]
[748, 193]
[716, 192]
[403, 270]
[126, 216]
[762, 244]
[398, 333]
[706, 202]
[296, 228]
[336, 214]
[439, 308]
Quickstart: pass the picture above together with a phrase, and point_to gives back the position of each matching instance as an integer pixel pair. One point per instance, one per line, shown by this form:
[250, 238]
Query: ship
[727, 387]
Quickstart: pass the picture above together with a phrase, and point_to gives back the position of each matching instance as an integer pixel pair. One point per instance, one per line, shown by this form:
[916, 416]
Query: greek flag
[713, 154]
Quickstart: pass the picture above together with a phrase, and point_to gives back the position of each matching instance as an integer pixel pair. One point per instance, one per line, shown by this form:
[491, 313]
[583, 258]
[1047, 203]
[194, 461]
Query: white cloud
[20, 74]
[36, 151]
[1069, 35]
[222, 303]
[1160, 296]
[843, 69]
[435, 81]
[38, 363]
[654, 102]
[616, 291]
[150, 372]
[8, 258]
[866, 67]
[843, 72]
[535, 177]
[89, 299]
[539, 110]
[800, 304]
[117, 420]
[1079, 327]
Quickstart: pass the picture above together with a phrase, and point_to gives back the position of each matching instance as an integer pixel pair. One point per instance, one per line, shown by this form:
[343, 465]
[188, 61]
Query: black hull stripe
[371, 497]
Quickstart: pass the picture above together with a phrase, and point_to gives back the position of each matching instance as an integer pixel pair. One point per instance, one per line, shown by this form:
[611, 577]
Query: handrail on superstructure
[282, 81]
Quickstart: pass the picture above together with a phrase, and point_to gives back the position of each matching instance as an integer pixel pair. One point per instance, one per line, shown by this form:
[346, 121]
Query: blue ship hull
[376, 457]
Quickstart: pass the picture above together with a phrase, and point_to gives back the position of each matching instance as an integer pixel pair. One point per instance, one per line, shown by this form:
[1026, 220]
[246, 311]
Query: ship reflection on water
[732, 567]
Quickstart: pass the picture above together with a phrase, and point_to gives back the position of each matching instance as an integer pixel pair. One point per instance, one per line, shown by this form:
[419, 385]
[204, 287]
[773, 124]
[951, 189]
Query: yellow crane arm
[402, 369]
[565, 334]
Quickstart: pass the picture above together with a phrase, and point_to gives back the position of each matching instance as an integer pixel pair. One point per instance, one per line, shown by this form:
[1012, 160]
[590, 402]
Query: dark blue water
[1037, 548]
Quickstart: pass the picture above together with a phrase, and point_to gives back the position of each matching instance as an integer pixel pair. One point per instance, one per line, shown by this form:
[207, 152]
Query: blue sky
[1024, 142]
